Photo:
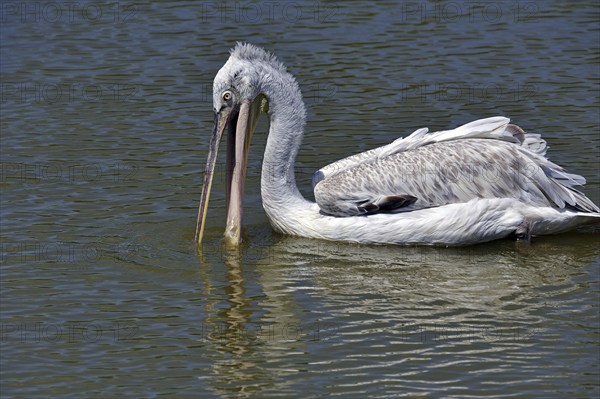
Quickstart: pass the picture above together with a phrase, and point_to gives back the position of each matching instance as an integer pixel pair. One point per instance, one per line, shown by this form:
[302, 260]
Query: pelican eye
[227, 96]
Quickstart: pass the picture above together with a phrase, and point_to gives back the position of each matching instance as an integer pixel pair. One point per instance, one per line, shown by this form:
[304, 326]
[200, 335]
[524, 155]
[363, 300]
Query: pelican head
[238, 99]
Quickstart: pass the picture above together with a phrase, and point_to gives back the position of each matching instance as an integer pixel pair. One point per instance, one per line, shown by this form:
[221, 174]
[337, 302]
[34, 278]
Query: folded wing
[487, 158]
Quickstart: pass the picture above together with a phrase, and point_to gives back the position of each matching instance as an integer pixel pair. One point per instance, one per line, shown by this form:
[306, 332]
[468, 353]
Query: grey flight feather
[488, 158]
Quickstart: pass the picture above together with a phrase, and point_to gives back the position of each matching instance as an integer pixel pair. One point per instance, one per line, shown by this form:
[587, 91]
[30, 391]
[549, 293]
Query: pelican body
[482, 181]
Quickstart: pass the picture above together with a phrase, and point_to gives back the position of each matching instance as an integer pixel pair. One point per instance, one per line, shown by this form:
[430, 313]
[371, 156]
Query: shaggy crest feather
[251, 53]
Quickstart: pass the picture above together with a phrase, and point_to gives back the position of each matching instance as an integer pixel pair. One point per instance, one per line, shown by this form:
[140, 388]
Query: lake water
[106, 114]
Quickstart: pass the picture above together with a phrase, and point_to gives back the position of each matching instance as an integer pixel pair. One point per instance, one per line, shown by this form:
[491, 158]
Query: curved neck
[287, 116]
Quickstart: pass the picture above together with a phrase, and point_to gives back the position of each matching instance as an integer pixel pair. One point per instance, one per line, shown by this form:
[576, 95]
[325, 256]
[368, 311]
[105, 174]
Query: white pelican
[482, 181]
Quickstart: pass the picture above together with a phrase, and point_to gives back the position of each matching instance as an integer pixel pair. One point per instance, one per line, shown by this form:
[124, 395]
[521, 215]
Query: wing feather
[488, 158]
[483, 128]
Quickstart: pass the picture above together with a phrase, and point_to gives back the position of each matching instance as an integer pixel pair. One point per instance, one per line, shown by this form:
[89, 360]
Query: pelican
[482, 181]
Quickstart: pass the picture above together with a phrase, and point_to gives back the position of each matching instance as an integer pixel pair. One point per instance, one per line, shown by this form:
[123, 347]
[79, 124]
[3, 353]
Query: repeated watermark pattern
[465, 333]
[61, 12]
[319, 93]
[445, 12]
[313, 93]
[71, 92]
[72, 333]
[322, 251]
[317, 331]
[268, 12]
[467, 93]
[66, 172]
[66, 252]
[38, 332]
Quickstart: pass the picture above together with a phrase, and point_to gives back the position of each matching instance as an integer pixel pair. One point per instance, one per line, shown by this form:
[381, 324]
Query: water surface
[106, 113]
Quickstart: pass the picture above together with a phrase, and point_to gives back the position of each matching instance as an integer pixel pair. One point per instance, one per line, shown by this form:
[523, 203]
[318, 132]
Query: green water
[106, 110]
